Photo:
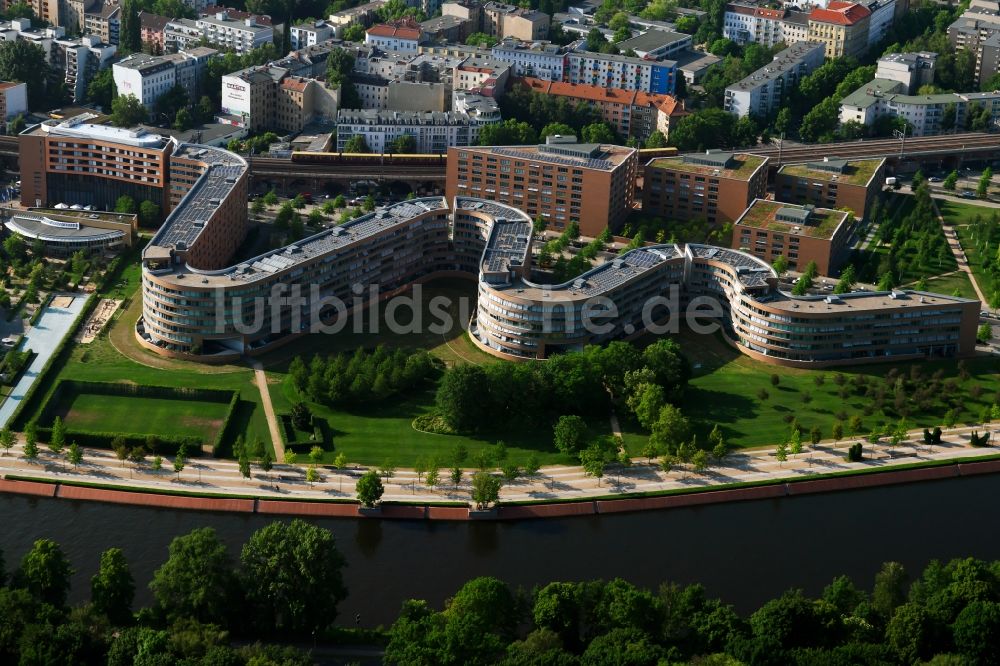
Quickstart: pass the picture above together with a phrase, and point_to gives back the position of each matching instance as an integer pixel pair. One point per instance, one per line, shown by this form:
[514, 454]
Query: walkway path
[43, 338]
[208, 476]
[960, 258]
[272, 420]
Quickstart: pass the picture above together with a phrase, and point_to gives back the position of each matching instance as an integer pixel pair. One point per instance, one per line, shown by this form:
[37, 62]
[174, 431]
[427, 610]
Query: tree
[780, 264]
[404, 144]
[316, 455]
[112, 588]
[507, 133]
[45, 573]
[597, 133]
[244, 464]
[57, 440]
[183, 120]
[908, 633]
[569, 433]
[179, 463]
[290, 457]
[357, 144]
[950, 181]
[74, 455]
[197, 580]
[149, 213]
[456, 476]
[458, 397]
[890, 589]
[17, 124]
[130, 30]
[31, 441]
[819, 123]
[127, 111]
[101, 90]
[7, 439]
[553, 129]
[982, 190]
[594, 459]
[22, 60]
[125, 204]
[977, 632]
[984, 333]
[485, 489]
[670, 429]
[369, 488]
[846, 282]
[292, 577]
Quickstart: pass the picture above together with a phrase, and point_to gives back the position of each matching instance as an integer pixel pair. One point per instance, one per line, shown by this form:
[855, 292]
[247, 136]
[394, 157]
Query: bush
[855, 453]
[433, 423]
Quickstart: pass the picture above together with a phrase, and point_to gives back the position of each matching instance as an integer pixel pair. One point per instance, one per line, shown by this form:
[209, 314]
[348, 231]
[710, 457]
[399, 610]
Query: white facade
[883, 12]
[762, 93]
[546, 63]
[433, 132]
[15, 99]
[310, 34]
[393, 43]
[148, 77]
[240, 36]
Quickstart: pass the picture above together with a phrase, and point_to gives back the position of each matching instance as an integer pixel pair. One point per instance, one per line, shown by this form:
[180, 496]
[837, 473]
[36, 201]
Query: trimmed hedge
[165, 444]
[321, 432]
[17, 420]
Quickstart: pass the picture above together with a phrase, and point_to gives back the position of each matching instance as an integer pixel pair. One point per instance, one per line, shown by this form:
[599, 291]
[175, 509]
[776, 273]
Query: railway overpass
[948, 151]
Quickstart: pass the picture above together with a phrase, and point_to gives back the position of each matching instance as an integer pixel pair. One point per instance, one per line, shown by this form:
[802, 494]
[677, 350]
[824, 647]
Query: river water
[744, 552]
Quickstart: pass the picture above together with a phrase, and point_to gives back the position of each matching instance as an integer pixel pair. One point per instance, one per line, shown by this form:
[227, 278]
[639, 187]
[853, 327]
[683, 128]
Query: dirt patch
[62, 301]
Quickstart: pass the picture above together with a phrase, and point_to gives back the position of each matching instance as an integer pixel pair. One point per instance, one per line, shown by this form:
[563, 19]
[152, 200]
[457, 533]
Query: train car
[439, 159]
[646, 154]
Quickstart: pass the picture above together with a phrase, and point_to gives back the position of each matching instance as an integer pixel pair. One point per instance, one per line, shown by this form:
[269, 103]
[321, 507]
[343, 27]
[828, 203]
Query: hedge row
[102, 440]
[16, 419]
[320, 432]
[38, 311]
[226, 433]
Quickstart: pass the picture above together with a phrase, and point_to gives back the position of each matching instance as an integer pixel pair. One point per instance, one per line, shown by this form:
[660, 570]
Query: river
[744, 552]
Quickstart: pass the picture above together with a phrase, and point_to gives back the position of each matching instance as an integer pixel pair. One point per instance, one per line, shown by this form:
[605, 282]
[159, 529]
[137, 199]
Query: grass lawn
[384, 432]
[867, 262]
[962, 213]
[107, 413]
[961, 216]
[947, 284]
[725, 386]
[452, 345]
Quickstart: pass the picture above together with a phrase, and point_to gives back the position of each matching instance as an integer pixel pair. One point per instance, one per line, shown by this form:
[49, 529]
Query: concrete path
[208, 476]
[43, 338]
[956, 249]
[272, 419]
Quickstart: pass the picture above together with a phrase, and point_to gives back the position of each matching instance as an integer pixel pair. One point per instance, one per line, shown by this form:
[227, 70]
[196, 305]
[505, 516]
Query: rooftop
[793, 219]
[854, 172]
[611, 157]
[783, 62]
[840, 13]
[651, 40]
[79, 128]
[743, 166]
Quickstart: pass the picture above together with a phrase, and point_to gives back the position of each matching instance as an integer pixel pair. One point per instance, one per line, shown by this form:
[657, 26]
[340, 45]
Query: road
[209, 476]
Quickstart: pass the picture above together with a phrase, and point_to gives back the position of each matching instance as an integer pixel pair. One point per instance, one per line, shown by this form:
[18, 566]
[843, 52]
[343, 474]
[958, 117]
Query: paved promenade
[209, 476]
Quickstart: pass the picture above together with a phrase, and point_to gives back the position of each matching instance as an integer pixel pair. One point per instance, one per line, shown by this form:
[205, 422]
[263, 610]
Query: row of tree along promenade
[484, 489]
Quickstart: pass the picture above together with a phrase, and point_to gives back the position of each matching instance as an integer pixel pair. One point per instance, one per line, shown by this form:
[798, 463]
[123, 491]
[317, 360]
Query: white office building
[763, 92]
[434, 132]
[310, 34]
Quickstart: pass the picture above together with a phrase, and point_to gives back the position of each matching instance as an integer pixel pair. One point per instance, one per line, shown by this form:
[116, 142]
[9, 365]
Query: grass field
[961, 215]
[948, 284]
[108, 413]
[384, 432]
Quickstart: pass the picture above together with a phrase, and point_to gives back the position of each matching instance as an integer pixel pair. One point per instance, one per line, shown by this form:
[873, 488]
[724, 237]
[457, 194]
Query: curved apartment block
[196, 304]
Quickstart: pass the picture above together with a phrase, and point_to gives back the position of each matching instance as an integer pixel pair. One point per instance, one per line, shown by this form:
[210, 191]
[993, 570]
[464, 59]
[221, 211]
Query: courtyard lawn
[451, 344]
[384, 432]
[948, 284]
[159, 416]
[867, 262]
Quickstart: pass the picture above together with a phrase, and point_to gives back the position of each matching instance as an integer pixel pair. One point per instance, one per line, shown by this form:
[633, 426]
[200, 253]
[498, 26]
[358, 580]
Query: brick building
[832, 183]
[769, 229]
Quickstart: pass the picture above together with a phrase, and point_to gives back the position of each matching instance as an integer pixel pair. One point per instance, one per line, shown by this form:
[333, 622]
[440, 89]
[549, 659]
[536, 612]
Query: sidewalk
[210, 476]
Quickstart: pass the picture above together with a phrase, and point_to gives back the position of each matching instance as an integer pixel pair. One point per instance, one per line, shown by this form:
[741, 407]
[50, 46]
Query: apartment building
[504, 21]
[482, 74]
[560, 182]
[883, 13]
[74, 162]
[978, 30]
[80, 59]
[541, 61]
[310, 34]
[271, 97]
[716, 186]
[402, 36]
[220, 29]
[364, 14]
[152, 28]
[746, 22]
[13, 101]
[515, 319]
[913, 70]
[799, 233]
[631, 113]
[763, 92]
[617, 71]
[433, 131]
[842, 27]
[832, 183]
[926, 114]
[148, 77]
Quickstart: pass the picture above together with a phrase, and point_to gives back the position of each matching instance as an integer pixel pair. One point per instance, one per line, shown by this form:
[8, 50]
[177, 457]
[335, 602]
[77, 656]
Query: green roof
[862, 97]
[858, 172]
[745, 166]
[822, 223]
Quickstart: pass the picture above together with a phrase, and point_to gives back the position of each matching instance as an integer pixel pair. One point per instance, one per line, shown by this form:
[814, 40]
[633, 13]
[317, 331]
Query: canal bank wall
[520, 511]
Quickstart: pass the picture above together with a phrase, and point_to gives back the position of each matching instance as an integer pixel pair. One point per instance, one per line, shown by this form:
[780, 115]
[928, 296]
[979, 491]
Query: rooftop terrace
[820, 222]
[856, 172]
[743, 166]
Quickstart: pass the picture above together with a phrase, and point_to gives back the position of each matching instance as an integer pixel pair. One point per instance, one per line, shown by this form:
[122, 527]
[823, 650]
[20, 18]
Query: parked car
[968, 194]
[933, 179]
